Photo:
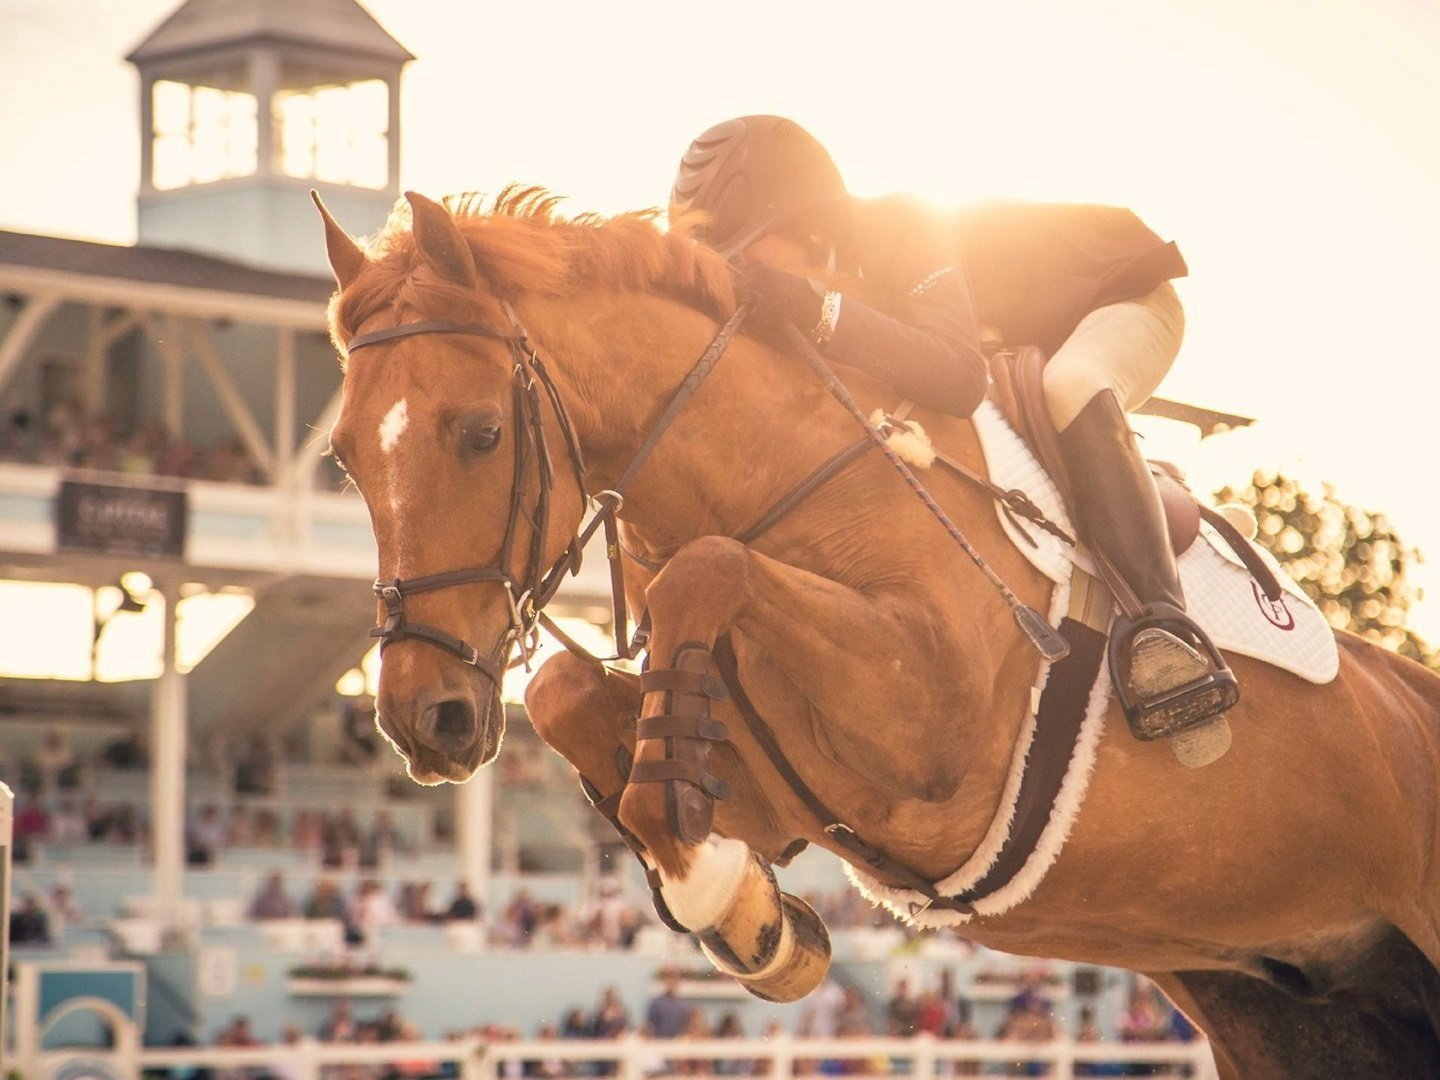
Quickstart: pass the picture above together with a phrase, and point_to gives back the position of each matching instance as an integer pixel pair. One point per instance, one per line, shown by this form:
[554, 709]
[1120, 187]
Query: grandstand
[217, 863]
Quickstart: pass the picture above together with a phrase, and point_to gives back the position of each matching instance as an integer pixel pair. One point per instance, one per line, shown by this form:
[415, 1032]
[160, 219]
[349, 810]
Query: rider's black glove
[780, 299]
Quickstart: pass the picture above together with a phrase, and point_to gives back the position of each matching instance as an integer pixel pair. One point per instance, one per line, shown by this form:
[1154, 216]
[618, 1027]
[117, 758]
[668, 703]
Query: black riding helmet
[752, 175]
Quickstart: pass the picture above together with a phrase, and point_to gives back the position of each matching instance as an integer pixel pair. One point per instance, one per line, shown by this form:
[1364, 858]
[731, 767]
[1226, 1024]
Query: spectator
[611, 1016]
[729, 1028]
[266, 828]
[68, 824]
[389, 1025]
[603, 917]
[29, 925]
[325, 901]
[271, 901]
[668, 1015]
[32, 823]
[930, 1014]
[1088, 1032]
[205, 837]
[545, 1068]
[56, 762]
[820, 1018]
[307, 833]
[463, 908]
[517, 923]
[1030, 1023]
[855, 1017]
[414, 903]
[381, 843]
[1145, 1020]
[412, 1066]
[62, 902]
[576, 1025]
[371, 911]
[127, 752]
[903, 1010]
[241, 830]
[696, 1028]
[238, 1034]
[290, 1068]
[360, 741]
[340, 839]
[255, 768]
[339, 1026]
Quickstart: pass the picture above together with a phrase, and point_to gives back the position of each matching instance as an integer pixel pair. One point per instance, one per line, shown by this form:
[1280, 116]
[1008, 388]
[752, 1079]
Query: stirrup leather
[1179, 684]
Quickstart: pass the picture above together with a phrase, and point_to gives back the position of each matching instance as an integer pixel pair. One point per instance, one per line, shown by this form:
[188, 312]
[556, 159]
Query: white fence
[920, 1058]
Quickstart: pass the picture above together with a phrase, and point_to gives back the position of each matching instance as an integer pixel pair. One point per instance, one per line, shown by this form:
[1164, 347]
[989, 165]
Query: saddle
[1017, 389]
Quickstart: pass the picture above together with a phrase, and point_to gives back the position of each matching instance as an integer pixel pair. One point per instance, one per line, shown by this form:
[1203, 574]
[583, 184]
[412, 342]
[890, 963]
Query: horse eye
[482, 438]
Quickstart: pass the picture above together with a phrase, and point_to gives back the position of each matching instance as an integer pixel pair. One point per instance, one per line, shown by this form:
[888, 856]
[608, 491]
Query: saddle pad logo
[1275, 611]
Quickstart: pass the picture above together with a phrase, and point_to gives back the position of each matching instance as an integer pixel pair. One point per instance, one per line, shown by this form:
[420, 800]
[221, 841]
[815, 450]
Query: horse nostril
[451, 721]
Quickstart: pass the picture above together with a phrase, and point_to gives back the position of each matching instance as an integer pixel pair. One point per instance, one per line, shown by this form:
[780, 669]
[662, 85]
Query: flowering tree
[1349, 560]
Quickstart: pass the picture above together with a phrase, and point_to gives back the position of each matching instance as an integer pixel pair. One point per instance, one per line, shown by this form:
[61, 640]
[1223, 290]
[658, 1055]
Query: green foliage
[1350, 561]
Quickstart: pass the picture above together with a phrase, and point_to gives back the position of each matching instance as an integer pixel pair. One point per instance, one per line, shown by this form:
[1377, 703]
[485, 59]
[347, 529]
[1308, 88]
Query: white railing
[636, 1058]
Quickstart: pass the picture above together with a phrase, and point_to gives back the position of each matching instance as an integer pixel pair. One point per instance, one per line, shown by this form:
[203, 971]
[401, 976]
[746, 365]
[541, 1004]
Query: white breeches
[1126, 347]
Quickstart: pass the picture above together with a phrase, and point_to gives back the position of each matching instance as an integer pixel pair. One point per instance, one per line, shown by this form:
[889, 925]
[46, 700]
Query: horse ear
[347, 258]
[439, 241]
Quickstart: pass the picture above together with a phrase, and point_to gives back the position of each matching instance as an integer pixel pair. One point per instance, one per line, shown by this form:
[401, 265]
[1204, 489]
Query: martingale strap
[832, 823]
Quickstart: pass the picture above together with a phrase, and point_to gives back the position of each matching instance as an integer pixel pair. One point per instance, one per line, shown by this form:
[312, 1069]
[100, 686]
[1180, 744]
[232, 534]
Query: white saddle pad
[1220, 594]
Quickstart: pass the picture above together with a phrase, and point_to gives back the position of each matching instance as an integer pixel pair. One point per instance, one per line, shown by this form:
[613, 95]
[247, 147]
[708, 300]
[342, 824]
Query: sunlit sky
[1291, 148]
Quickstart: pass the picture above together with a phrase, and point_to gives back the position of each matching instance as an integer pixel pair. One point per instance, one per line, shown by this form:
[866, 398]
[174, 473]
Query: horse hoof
[802, 959]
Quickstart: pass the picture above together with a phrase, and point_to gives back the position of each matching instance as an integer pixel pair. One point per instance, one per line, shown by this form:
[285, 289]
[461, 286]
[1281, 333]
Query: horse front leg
[713, 884]
[586, 713]
[773, 943]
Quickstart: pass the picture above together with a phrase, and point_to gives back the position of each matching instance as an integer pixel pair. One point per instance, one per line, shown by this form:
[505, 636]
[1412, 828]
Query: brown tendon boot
[1168, 674]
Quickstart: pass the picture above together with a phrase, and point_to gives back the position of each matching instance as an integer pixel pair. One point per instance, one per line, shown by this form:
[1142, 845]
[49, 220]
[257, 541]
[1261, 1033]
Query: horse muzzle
[447, 737]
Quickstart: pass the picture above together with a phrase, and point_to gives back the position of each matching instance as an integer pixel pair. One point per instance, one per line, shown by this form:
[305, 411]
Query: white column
[167, 770]
[474, 827]
[284, 403]
[7, 836]
[264, 83]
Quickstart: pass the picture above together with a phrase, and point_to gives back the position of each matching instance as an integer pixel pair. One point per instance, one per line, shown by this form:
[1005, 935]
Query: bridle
[528, 593]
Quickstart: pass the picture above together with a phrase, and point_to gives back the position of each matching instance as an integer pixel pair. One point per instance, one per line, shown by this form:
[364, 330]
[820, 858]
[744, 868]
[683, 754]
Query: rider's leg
[1111, 363]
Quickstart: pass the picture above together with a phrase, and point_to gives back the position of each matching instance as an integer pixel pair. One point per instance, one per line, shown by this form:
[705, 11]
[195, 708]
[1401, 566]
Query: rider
[1090, 285]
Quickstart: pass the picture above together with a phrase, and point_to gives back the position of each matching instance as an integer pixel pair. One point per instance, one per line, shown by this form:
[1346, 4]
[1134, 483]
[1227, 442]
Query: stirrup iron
[1165, 684]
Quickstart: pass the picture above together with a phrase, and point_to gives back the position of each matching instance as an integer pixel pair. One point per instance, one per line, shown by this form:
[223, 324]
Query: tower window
[202, 134]
[338, 134]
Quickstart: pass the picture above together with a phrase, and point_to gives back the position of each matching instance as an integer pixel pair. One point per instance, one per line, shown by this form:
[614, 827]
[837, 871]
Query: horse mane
[521, 245]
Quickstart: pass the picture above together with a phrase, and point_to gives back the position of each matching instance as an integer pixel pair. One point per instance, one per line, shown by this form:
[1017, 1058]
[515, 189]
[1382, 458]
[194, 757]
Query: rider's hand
[779, 299]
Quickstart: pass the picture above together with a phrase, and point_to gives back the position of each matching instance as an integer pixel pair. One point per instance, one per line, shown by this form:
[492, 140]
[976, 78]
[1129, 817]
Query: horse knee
[580, 709]
[708, 575]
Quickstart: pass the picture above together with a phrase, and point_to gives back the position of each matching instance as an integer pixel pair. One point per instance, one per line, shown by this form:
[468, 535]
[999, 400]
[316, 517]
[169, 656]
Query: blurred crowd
[69, 438]
[604, 920]
[670, 1020]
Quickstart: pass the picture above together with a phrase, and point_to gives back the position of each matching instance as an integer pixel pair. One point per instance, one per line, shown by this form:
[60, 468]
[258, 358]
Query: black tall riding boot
[1166, 671]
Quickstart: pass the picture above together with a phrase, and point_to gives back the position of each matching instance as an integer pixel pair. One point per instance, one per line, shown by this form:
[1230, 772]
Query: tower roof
[199, 25]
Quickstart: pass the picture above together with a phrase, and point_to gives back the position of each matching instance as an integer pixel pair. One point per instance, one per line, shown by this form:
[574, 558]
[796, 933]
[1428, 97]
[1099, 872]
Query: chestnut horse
[1286, 897]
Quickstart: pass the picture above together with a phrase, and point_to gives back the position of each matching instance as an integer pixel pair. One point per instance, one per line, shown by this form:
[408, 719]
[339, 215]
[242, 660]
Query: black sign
[113, 520]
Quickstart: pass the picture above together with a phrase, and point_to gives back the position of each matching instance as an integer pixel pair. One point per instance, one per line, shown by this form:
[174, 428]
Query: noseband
[528, 594]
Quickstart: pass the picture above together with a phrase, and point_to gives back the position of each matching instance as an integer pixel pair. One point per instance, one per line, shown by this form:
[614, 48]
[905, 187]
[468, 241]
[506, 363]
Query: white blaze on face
[393, 426]
[389, 432]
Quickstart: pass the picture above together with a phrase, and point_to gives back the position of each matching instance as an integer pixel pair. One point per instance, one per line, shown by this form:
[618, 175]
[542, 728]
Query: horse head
[453, 442]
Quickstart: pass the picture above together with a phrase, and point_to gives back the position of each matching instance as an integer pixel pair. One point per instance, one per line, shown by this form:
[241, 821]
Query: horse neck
[710, 471]
[760, 425]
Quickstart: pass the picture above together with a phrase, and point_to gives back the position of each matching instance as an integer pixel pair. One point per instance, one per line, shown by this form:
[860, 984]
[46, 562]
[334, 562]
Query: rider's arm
[933, 357]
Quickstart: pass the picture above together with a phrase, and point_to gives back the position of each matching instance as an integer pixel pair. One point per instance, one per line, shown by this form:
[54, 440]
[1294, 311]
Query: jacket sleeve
[932, 353]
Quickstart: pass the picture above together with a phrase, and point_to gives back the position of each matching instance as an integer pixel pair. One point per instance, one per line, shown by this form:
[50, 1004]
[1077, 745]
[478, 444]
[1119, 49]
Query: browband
[433, 327]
